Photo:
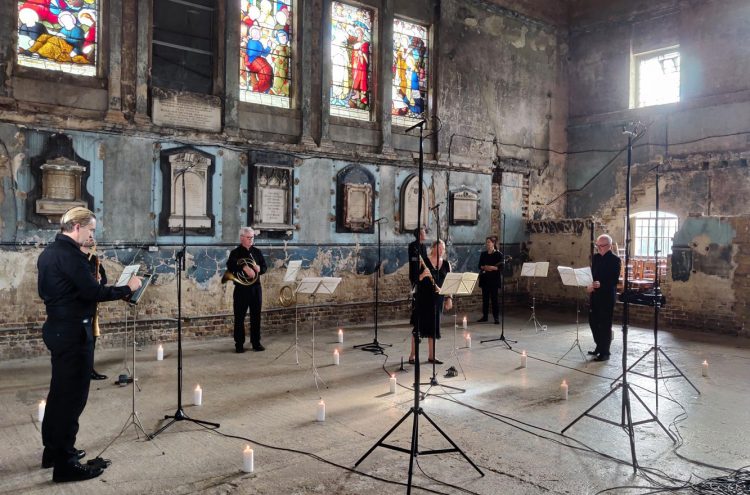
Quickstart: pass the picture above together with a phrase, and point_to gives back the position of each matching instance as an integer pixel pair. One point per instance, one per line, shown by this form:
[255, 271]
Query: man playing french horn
[244, 267]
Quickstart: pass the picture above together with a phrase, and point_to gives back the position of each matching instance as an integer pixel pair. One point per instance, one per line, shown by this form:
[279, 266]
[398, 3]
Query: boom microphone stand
[502, 338]
[416, 410]
[626, 418]
[180, 415]
[376, 347]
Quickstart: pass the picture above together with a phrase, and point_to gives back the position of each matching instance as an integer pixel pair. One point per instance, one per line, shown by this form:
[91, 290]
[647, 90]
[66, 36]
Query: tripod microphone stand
[180, 415]
[626, 418]
[416, 410]
[657, 302]
[576, 342]
[502, 338]
[376, 347]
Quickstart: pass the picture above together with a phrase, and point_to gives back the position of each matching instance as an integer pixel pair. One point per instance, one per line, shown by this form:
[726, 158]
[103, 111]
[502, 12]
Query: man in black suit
[605, 271]
[70, 293]
[247, 264]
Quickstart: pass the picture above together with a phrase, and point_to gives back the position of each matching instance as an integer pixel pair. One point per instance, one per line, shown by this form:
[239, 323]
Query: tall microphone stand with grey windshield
[416, 410]
[180, 415]
[375, 346]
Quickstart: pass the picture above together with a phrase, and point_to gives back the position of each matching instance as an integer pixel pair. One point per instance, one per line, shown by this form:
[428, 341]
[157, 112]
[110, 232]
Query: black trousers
[72, 347]
[247, 298]
[600, 321]
[489, 295]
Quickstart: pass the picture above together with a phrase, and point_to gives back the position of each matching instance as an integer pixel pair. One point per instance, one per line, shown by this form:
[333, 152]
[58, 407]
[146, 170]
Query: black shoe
[482, 319]
[258, 348]
[74, 472]
[48, 458]
[239, 349]
[97, 376]
[435, 361]
[411, 361]
[602, 357]
[593, 353]
[497, 322]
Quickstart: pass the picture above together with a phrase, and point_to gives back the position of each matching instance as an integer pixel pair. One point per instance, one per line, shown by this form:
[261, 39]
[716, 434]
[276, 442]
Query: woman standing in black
[490, 264]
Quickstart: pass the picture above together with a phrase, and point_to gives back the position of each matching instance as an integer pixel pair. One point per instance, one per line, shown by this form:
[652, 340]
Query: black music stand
[576, 277]
[180, 256]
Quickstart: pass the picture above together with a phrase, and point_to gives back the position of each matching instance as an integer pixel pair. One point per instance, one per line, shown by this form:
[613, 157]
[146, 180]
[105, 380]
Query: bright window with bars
[656, 77]
[652, 233]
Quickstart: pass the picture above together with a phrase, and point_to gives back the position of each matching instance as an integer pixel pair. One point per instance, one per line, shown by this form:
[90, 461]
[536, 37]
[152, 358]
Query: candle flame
[335, 351]
[705, 362]
[564, 383]
[523, 353]
[393, 375]
[198, 387]
[43, 402]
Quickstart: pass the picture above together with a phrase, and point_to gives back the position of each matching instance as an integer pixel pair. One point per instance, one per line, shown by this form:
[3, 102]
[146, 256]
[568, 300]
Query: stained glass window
[265, 52]
[351, 52]
[409, 72]
[58, 35]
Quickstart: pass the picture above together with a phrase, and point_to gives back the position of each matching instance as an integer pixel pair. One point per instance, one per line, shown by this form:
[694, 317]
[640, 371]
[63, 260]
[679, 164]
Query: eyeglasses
[601, 245]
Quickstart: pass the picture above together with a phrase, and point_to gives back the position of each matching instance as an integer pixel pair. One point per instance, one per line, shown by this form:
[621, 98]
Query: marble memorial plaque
[410, 200]
[464, 207]
[357, 201]
[196, 191]
[187, 110]
[273, 193]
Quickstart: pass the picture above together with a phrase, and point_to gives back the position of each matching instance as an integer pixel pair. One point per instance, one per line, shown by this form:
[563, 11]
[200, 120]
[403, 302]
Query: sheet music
[309, 285]
[541, 269]
[292, 270]
[527, 269]
[328, 285]
[459, 284]
[126, 274]
[578, 277]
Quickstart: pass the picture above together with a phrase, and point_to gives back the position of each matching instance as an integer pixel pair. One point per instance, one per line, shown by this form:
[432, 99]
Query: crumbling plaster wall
[699, 143]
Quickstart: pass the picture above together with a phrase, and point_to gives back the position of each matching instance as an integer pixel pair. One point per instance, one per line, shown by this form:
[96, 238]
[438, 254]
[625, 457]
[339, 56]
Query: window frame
[635, 72]
[665, 240]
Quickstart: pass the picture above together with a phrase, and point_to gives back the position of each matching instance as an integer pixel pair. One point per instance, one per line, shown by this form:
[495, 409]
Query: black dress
[429, 305]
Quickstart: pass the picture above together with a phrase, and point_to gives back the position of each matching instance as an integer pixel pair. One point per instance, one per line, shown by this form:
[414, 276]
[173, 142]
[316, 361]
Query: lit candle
[321, 412]
[564, 390]
[198, 396]
[523, 359]
[393, 384]
[40, 410]
[336, 357]
[341, 336]
[248, 463]
[705, 368]
[465, 325]
[468, 340]
[160, 353]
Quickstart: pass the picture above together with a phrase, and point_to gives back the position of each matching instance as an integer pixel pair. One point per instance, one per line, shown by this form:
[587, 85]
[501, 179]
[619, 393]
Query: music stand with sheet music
[576, 277]
[534, 271]
[314, 286]
[454, 285]
[290, 277]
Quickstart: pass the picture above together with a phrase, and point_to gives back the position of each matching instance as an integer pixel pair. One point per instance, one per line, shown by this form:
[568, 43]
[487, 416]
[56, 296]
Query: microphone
[418, 124]
[381, 219]
[436, 206]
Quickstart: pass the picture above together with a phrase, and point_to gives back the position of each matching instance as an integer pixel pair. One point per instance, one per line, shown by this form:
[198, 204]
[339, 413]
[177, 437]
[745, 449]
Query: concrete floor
[508, 420]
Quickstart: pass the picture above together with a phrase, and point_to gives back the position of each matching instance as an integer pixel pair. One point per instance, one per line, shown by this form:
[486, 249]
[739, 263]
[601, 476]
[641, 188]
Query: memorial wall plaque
[194, 167]
[357, 201]
[464, 207]
[188, 110]
[273, 193]
[409, 202]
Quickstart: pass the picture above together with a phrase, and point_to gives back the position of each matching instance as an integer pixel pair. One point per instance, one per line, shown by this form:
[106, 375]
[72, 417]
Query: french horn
[287, 295]
[240, 277]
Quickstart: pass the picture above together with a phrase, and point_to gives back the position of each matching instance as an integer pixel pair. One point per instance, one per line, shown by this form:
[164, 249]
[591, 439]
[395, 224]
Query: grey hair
[247, 231]
[605, 236]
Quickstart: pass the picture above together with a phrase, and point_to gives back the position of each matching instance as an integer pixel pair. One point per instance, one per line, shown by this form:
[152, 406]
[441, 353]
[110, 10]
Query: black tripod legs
[180, 416]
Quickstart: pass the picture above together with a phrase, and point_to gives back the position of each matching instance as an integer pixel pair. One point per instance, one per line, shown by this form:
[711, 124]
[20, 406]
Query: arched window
[351, 61]
[59, 35]
[652, 233]
[266, 52]
[409, 86]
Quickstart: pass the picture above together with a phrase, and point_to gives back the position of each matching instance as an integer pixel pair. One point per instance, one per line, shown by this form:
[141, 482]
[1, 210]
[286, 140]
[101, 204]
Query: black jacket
[239, 253]
[415, 267]
[490, 280]
[67, 286]
[606, 270]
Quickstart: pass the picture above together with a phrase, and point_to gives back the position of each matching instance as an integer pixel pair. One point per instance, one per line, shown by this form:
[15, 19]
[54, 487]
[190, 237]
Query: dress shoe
[239, 349]
[482, 320]
[602, 357]
[411, 361]
[497, 322]
[74, 471]
[97, 376]
[48, 458]
[435, 361]
[258, 348]
[592, 353]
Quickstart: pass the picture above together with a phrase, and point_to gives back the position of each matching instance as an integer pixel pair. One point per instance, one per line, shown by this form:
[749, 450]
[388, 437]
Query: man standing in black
[605, 271]
[490, 264]
[246, 263]
[70, 293]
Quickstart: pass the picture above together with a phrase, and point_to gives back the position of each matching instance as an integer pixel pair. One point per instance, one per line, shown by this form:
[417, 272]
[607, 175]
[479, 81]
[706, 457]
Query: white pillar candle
[468, 340]
[393, 384]
[40, 410]
[321, 412]
[341, 336]
[465, 325]
[248, 462]
[523, 359]
[160, 353]
[564, 390]
[705, 368]
[198, 396]
[336, 357]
